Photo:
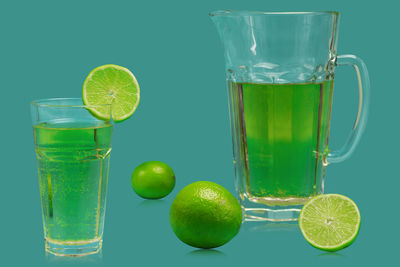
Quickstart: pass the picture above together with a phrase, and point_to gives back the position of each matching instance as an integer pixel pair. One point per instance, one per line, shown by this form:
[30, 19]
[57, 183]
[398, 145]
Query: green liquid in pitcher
[283, 139]
[73, 161]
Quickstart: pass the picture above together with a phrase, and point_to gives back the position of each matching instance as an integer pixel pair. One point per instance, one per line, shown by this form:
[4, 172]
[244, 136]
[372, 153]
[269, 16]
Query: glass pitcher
[280, 70]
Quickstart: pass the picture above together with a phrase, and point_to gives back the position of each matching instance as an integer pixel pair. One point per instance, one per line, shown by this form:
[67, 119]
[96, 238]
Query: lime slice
[115, 85]
[330, 222]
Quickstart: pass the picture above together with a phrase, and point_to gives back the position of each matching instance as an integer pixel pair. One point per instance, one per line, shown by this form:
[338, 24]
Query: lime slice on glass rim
[111, 84]
[330, 222]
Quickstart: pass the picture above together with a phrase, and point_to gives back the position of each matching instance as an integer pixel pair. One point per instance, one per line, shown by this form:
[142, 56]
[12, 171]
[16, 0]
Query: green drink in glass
[73, 145]
[73, 154]
[285, 131]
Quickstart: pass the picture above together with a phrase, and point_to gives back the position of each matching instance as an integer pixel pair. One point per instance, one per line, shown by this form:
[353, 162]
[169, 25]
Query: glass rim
[252, 13]
[52, 102]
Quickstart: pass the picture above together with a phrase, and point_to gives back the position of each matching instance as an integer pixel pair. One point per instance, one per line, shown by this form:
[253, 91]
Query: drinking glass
[73, 155]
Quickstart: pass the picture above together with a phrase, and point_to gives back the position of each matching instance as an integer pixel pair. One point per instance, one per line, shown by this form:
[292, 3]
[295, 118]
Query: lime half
[111, 84]
[330, 222]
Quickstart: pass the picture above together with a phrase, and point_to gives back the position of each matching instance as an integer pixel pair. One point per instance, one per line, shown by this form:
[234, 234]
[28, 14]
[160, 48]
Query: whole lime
[205, 215]
[153, 180]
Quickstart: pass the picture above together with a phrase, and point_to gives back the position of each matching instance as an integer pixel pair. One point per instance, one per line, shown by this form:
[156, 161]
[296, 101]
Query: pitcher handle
[363, 105]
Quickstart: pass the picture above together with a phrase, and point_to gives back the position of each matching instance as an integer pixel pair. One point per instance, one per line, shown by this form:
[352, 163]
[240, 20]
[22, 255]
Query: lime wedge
[111, 84]
[330, 222]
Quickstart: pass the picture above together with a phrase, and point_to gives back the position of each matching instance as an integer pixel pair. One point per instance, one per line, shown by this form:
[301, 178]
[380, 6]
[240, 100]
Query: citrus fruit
[205, 215]
[330, 222]
[153, 180]
[111, 84]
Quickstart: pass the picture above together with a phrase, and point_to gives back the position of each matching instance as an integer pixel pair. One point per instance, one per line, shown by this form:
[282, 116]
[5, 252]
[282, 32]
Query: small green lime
[330, 222]
[205, 215]
[153, 180]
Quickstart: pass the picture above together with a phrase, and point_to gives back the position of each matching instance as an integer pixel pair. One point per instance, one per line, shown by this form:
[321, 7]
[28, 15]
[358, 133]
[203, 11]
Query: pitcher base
[272, 209]
[273, 215]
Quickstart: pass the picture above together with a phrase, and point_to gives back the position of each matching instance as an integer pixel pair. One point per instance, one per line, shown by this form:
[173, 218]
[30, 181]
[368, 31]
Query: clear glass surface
[280, 70]
[73, 154]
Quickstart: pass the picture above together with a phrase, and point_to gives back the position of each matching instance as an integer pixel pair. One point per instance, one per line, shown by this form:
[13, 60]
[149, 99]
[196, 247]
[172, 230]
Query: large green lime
[205, 215]
[111, 84]
[330, 222]
[153, 180]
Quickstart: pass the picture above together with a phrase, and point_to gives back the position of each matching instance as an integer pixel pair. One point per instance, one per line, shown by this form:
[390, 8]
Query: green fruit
[330, 222]
[153, 180]
[205, 215]
[111, 84]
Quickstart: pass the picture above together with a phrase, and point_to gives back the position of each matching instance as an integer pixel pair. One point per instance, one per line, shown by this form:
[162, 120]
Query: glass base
[73, 249]
[256, 211]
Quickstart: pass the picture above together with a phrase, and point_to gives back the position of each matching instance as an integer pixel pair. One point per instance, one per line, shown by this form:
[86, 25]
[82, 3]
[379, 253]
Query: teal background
[48, 48]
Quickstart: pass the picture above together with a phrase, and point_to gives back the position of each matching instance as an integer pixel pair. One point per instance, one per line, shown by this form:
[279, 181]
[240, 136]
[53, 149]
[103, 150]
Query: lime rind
[205, 215]
[346, 219]
[153, 180]
[111, 84]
